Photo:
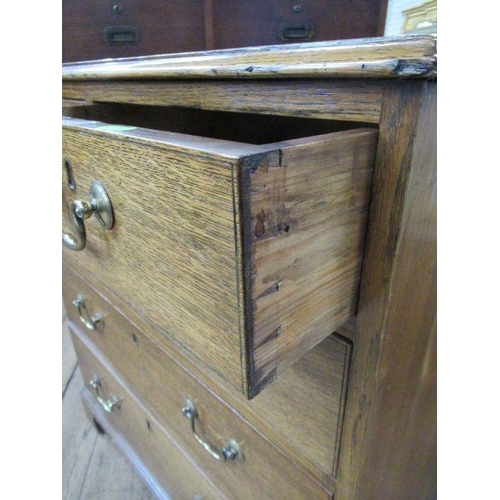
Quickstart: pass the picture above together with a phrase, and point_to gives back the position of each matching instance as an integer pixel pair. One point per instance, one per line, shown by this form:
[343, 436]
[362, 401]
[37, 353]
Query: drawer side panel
[307, 206]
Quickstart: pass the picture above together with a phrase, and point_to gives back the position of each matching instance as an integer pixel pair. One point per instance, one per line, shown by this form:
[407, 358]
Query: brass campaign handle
[100, 205]
[228, 452]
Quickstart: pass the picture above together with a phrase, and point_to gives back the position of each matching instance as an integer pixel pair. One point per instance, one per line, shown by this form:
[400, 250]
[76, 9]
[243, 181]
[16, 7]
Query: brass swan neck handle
[109, 405]
[228, 452]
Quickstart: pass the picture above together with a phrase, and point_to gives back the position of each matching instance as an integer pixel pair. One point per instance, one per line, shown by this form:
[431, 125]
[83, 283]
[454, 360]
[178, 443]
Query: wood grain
[307, 400]
[196, 278]
[391, 409]
[354, 100]
[262, 472]
[304, 237]
[409, 56]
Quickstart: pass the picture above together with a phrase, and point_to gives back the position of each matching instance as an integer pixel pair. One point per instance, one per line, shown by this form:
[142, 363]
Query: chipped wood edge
[382, 68]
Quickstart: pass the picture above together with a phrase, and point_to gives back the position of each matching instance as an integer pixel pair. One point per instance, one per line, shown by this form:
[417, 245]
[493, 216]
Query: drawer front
[247, 256]
[171, 252]
[163, 387]
[139, 435]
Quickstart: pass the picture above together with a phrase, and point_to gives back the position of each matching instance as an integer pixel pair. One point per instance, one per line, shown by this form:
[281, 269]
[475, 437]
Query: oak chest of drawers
[249, 266]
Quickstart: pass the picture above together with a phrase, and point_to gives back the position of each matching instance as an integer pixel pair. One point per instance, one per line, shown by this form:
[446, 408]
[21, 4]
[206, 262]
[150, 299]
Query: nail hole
[148, 423]
[134, 338]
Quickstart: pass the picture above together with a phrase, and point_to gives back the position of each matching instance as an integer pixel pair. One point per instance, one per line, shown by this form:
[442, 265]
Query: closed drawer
[157, 458]
[257, 471]
[301, 414]
[247, 255]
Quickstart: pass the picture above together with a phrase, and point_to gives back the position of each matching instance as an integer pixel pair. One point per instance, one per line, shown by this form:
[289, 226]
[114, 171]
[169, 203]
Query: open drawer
[246, 254]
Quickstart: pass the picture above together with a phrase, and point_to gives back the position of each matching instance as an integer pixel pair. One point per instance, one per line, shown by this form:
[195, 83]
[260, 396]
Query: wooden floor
[92, 467]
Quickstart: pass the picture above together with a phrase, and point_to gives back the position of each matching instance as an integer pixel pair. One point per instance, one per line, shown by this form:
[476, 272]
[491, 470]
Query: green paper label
[115, 128]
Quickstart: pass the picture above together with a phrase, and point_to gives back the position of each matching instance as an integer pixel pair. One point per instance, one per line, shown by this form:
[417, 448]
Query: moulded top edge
[385, 57]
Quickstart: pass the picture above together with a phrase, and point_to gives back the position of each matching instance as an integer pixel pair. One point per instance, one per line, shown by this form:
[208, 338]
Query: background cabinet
[121, 28]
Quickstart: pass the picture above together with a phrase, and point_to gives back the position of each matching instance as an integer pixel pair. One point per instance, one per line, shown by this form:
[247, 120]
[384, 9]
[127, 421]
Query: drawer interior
[304, 407]
[248, 128]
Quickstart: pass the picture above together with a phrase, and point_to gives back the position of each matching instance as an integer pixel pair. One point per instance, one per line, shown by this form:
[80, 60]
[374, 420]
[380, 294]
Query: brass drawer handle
[91, 324]
[110, 404]
[296, 31]
[228, 452]
[100, 205]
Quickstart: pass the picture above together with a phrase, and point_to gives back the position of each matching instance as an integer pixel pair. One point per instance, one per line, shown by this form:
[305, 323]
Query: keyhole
[69, 175]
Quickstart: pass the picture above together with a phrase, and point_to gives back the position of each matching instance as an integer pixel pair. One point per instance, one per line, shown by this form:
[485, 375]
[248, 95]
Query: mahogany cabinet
[122, 28]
